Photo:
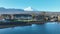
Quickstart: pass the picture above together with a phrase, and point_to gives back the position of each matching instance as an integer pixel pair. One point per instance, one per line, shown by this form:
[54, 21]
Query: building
[58, 18]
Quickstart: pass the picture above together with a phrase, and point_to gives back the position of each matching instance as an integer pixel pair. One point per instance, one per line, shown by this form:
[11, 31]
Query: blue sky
[43, 5]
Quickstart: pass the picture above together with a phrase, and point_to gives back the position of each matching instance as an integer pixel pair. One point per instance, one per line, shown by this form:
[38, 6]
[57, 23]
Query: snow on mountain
[29, 9]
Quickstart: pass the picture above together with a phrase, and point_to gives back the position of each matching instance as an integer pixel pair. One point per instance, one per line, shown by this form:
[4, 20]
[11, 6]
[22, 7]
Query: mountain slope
[4, 9]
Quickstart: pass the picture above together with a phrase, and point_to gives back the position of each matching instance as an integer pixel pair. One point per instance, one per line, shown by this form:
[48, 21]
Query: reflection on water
[47, 28]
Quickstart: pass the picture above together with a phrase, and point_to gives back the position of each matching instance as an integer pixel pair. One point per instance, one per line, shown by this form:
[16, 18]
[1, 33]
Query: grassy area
[25, 20]
[32, 20]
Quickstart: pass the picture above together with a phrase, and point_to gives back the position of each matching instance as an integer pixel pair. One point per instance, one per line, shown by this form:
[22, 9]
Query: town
[29, 17]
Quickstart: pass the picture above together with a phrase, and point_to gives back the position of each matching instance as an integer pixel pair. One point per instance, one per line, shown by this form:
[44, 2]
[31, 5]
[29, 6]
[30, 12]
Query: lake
[47, 28]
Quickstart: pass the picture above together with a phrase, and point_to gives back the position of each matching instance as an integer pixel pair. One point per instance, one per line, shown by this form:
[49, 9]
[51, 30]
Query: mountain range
[17, 11]
[28, 10]
[4, 9]
[13, 9]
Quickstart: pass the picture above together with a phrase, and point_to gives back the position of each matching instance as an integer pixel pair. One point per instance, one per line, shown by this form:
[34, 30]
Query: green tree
[33, 16]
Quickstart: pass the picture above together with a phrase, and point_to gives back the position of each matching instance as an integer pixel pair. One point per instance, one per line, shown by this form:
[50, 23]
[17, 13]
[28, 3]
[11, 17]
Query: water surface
[47, 28]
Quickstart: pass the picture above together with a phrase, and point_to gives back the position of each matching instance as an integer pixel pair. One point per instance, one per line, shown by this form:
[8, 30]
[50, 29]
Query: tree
[33, 15]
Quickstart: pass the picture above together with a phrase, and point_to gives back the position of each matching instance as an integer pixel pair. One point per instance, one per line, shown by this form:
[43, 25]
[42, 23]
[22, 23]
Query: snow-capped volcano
[29, 9]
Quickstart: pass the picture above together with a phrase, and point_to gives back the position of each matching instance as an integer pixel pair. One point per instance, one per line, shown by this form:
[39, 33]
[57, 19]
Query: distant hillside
[4, 9]
[9, 11]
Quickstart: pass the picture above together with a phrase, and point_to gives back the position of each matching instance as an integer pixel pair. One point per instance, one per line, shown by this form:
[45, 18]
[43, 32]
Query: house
[22, 16]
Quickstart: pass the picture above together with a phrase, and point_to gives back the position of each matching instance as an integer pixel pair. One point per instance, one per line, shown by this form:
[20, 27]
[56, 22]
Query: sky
[42, 5]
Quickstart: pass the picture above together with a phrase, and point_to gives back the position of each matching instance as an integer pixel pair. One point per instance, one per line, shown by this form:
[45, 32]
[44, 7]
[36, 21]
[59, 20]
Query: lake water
[47, 28]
